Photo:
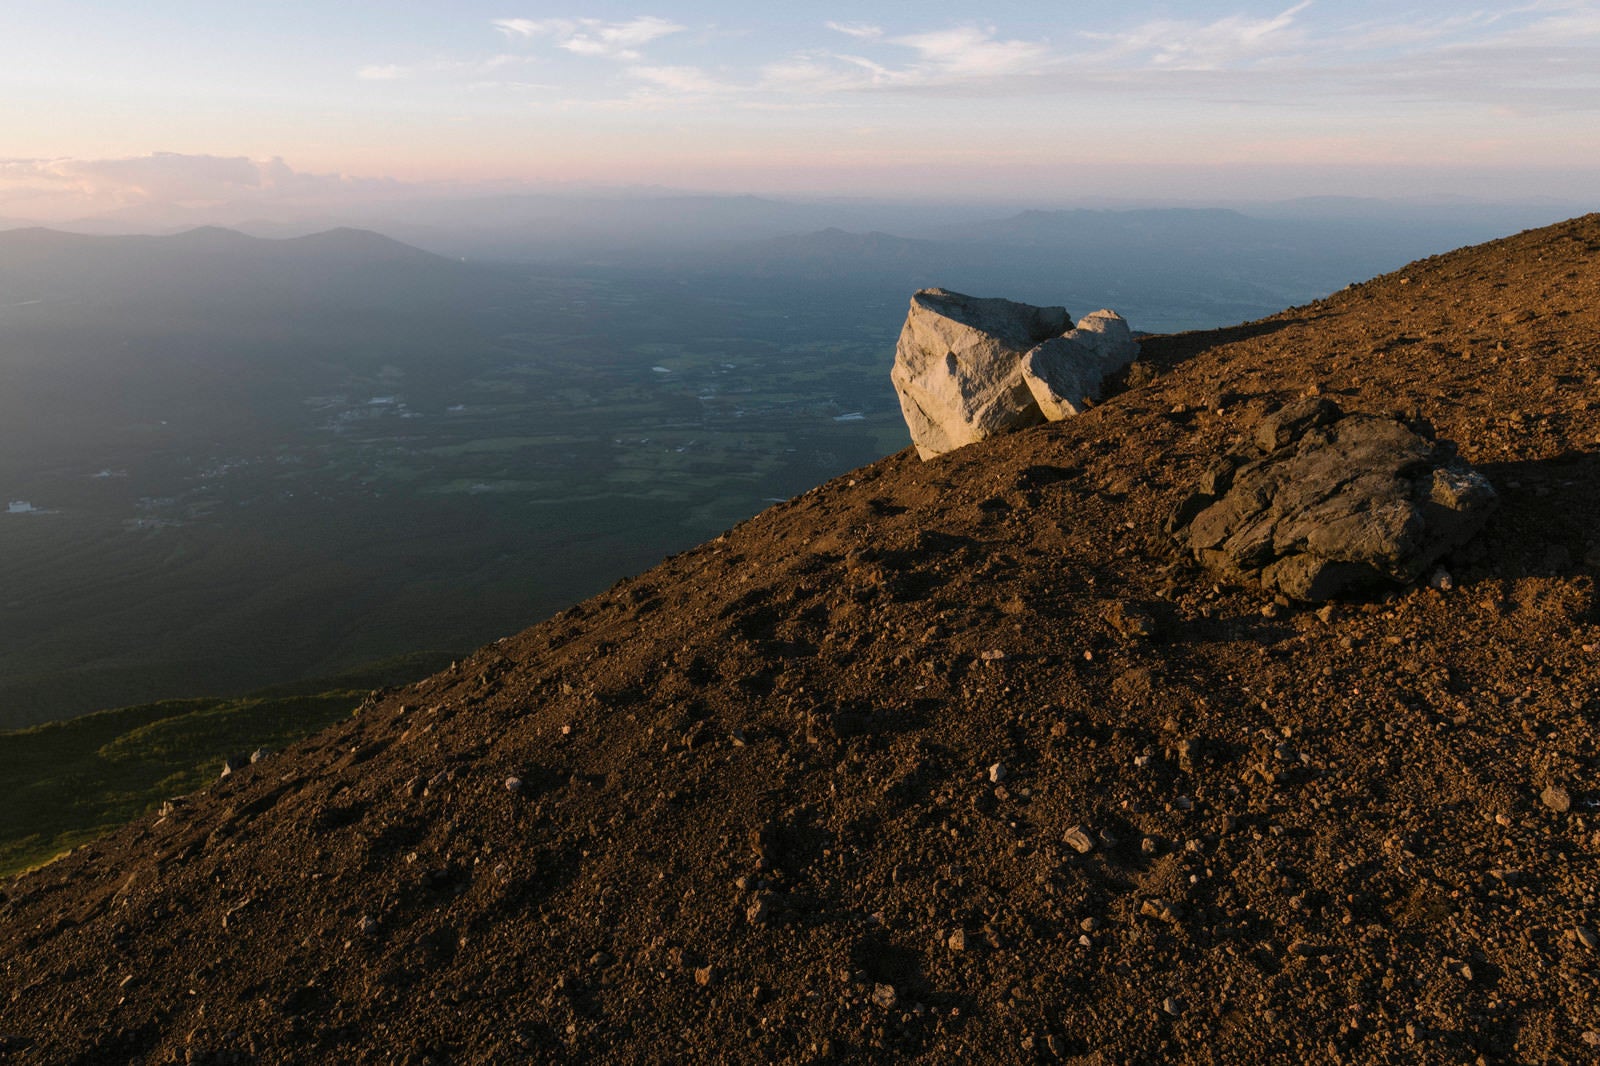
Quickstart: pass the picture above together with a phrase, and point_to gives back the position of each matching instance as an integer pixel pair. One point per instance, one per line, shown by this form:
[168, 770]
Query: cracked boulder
[958, 367]
[1324, 504]
[1065, 374]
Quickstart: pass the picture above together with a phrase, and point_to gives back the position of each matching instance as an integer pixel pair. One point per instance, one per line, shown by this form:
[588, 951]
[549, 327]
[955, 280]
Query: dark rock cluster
[1323, 504]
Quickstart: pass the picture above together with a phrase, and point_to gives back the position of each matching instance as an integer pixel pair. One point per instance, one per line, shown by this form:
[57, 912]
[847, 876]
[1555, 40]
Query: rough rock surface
[957, 367]
[1322, 504]
[1320, 835]
[1066, 373]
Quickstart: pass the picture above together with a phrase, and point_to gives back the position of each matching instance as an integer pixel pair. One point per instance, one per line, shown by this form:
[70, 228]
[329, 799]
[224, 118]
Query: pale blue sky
[1178, 100]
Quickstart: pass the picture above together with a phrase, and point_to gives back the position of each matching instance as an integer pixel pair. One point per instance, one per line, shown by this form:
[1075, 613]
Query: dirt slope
[804, 794]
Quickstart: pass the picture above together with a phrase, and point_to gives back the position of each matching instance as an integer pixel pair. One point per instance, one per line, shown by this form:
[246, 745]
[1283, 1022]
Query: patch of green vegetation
[68, 782]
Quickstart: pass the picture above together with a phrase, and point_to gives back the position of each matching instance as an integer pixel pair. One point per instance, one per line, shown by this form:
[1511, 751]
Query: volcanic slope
[816, 791]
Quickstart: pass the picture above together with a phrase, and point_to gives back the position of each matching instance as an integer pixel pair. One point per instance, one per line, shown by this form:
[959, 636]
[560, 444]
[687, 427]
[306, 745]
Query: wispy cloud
[685, 81]
[971, 52]
[1520, 56]
[1558, 24]
[954, 58]
[593, 37]
[442, 67]
[1535, 57]
[864, 31]
[1177, 44]
[67, 187]
[1541, 58]
[1411, 32]
[164, 175]
[817, 76]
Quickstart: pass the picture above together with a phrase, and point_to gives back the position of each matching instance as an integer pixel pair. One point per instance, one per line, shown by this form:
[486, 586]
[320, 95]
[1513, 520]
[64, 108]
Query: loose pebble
[1078, 839]
[1161, 909]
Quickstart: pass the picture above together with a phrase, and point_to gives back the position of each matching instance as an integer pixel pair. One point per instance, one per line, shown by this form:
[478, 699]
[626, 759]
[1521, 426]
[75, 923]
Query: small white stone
[1078, 839]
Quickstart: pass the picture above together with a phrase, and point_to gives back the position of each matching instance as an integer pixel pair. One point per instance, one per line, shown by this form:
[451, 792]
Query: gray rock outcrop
[1324, 504]
[1065, 373]
[958, 367]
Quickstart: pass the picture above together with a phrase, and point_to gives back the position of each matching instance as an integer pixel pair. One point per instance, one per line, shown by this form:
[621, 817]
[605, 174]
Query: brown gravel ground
[757, 816]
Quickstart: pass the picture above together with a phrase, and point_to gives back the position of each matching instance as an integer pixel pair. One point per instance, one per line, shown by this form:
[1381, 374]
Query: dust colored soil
[877, 776]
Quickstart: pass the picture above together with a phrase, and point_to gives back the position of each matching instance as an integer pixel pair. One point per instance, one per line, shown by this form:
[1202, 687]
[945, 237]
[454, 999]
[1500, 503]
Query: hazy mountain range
[608, 223]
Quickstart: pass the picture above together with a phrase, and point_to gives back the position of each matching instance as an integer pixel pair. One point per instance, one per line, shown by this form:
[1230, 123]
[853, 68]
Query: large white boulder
[1064, 374]
[958, 367]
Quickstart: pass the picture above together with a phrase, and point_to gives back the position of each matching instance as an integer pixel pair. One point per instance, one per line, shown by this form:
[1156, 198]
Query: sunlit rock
[958, 367]
[1065, 374]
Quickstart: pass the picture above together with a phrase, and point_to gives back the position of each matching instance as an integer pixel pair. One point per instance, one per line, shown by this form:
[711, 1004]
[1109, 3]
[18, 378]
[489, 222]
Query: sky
[107, 105]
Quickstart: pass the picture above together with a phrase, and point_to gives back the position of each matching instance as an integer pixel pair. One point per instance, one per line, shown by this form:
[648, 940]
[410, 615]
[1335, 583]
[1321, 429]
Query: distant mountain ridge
[38, 263]
[1223, 226]
[352, 243]
[341, 240]
[1163, 268]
